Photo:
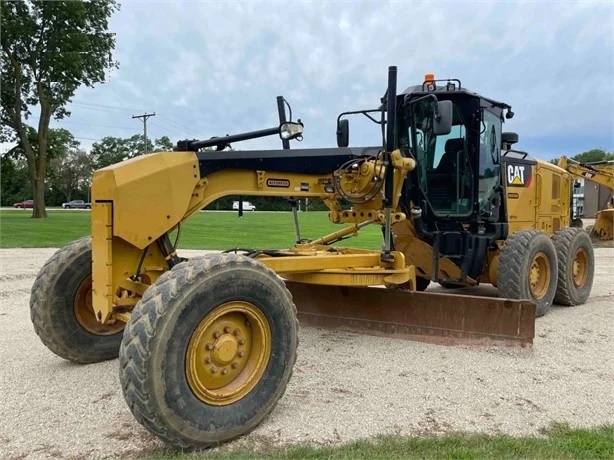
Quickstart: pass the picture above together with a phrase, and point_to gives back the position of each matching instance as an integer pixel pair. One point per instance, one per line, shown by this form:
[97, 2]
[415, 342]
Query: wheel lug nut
[236, 332]
[241, 342]
[213, 369]
[216, 335]
[226, 330]
[209, 346]
[234, 365]
[208, 360]
[224, 371]
[241, 353]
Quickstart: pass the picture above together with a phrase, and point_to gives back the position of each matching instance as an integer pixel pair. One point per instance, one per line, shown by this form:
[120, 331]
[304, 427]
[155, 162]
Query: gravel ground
[345, 386]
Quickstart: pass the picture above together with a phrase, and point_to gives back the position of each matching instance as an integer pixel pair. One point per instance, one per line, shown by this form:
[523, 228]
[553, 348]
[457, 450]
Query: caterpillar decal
[518, 175]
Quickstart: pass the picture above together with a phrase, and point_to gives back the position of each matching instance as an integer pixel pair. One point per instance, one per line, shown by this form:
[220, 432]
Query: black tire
[523, 252]
[88, 207]
[60, 313]
[154, 352]
[576, 266]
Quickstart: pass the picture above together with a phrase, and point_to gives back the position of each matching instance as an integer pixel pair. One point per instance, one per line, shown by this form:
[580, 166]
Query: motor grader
[207, 345]
[601, 172]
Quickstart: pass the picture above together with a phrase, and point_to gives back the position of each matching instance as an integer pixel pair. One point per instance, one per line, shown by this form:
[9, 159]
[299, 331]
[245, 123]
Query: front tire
[61, 308]
[576, 259]
[528, 269]
[209, 350]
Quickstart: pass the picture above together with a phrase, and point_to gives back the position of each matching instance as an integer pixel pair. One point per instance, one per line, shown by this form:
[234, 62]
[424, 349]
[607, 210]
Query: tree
[71, 172]
[49, 49]
[590, 156]
[111, 150]
[15, 184]
[593, 155]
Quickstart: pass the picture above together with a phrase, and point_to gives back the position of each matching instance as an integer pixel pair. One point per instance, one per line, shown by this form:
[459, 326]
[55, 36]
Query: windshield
[444, 172]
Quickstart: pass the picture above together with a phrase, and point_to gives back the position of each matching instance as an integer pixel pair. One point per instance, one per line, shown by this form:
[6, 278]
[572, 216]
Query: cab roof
[442, 89]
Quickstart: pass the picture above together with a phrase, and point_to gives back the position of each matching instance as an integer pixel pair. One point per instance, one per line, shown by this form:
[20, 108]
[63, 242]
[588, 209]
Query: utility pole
[145, 116]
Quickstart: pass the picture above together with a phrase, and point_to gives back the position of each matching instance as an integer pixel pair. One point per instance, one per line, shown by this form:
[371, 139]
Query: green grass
[559, 442]
[206, 230]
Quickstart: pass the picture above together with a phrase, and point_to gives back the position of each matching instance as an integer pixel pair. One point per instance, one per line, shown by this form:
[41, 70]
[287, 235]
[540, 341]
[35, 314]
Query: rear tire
[61, 310]
[209, 350]
[528, 269]
[576, 260]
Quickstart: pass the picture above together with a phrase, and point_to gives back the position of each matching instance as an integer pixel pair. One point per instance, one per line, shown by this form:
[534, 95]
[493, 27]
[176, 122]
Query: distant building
[595, 198]
[577, 198]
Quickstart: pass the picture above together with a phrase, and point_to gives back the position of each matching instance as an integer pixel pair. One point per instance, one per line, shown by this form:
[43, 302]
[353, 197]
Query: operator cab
[458, 176]
[456, 191]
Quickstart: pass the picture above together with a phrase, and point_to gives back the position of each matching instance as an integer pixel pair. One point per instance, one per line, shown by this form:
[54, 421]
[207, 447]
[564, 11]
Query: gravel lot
[344, 387]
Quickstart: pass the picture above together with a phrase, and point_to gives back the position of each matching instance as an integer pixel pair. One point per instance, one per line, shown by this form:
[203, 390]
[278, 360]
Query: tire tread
[135, 349]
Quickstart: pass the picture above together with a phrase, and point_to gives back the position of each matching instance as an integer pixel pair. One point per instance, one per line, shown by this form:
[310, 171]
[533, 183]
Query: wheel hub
[225, 350]
[84, 312]
[580, 268]
[228, 353]
[539, 276]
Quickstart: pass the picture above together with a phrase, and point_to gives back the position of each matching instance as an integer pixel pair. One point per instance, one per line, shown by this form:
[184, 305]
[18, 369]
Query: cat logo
[518, 175]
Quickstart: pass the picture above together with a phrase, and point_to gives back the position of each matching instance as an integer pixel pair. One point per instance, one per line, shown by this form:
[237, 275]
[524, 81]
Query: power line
[167, 128]
[182, 127]
[87, 138]
[167, 123]
[95, 124]
[145, 117]
[116, 107]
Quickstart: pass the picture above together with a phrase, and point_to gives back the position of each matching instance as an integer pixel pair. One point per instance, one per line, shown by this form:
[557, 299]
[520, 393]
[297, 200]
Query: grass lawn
[206, 230]
[560, 442]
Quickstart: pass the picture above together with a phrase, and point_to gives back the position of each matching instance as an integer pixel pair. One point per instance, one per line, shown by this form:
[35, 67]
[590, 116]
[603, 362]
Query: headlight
[290, 130]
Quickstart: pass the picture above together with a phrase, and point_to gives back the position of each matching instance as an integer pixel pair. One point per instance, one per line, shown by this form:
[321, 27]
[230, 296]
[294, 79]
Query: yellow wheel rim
[84, 312]
[228, 353]
[539, 277]
[580, 268]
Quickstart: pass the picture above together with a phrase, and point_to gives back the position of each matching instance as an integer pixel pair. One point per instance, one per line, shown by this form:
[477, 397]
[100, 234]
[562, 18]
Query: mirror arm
[428, 96]
[362, 112]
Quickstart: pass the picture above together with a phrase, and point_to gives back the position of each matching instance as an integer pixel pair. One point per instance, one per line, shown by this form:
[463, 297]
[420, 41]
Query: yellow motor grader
[207, 345]
[601, 172]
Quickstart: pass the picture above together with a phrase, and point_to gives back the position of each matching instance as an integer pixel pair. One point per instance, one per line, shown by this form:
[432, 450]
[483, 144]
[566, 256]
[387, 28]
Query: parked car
[247, 206]
[24, 204]
[76, 204]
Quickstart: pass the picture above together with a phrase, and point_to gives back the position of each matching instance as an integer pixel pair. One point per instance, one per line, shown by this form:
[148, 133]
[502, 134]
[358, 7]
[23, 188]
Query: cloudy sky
[213, 68]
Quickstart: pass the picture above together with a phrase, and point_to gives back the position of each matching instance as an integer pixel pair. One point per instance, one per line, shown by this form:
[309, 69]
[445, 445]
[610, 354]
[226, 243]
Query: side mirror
[291, 130]
[343, 133]
[442, 119]
[509, 138]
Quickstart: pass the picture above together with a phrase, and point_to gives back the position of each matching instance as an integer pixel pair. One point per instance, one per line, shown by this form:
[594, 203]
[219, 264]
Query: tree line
[42, 67]
[69, 166]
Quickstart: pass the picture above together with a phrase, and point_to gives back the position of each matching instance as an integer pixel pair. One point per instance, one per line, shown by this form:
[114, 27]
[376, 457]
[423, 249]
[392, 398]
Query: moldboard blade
[422, 316]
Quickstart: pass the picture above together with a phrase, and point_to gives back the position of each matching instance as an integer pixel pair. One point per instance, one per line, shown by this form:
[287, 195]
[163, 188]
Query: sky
[211, 68]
